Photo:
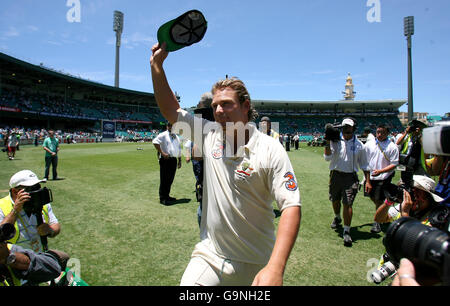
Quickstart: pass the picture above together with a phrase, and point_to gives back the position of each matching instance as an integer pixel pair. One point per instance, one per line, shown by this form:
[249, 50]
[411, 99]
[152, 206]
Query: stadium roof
[40, 78]
[341, 105]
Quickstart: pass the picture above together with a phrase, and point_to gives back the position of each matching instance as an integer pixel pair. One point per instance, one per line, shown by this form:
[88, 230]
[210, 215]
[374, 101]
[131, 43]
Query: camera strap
[34, 242]
[384, 154]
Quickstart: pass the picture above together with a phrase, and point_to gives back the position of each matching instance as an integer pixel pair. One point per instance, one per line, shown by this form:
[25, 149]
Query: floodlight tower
[409, 31]
[117, 27]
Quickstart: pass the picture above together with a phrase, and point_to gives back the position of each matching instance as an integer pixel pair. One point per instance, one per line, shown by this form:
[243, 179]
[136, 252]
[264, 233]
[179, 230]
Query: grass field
[112, 222]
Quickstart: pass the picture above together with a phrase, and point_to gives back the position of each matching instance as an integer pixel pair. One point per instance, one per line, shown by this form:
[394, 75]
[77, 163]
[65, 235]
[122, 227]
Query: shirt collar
[250, 147]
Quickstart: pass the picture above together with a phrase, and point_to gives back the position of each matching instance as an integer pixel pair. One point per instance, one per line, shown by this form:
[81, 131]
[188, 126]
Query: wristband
[388, 203]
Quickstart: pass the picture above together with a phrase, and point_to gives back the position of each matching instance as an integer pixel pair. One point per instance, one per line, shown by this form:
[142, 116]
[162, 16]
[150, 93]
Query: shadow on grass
[357, 234]
[178, 201]
[277, 213]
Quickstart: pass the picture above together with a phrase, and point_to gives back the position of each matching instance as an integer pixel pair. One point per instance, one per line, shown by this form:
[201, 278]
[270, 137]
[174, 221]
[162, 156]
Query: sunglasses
[30, 188]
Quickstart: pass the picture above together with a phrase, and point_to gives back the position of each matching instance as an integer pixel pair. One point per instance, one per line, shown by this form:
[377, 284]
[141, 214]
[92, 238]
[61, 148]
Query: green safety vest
[15, 280]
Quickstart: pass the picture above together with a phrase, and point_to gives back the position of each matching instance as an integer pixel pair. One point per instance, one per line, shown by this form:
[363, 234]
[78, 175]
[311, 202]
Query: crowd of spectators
[58, 105]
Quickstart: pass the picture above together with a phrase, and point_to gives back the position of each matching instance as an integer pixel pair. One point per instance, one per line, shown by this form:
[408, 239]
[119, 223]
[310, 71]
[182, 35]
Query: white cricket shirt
[377, 160]
[238, 191]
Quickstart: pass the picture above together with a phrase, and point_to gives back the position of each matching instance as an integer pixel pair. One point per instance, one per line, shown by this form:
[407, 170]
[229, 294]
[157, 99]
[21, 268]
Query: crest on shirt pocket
[291, 183]
[244, 170]
[218, 153]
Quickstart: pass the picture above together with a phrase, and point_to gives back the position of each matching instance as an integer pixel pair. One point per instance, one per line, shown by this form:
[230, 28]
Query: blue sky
[283, 50]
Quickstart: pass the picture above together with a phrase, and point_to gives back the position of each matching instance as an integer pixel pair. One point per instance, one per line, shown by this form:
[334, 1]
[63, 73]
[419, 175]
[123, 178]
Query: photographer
[417, 205]
[346, 155]
[435, 141]
[19, 208]
[412, 157]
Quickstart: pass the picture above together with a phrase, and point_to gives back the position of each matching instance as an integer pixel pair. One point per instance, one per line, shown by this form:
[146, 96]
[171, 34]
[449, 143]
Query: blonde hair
[241, 91]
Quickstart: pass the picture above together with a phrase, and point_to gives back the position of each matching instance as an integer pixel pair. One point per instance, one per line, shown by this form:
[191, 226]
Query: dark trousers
[51, 160]
[167, 169]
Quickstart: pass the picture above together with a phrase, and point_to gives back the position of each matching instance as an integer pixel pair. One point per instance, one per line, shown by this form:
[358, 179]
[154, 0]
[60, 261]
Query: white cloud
[328, 71]
[32, 28]
[134, 40]
[11, 32]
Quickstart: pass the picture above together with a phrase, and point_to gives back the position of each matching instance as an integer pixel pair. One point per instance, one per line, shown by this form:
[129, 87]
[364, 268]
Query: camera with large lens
[394, 193]
[333, 131]
[38, 198]
[388, 269]
[436, 140]
[7, 232]
[426, 247]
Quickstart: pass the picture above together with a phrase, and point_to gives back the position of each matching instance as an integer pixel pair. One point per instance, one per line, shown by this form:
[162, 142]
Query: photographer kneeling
[26, 207]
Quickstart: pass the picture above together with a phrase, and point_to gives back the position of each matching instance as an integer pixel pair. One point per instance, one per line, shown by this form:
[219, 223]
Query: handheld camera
[427, 247]
[38, 198]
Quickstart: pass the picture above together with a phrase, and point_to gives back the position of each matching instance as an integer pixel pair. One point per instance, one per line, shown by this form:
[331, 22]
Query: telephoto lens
[385, 271]
[427, 247]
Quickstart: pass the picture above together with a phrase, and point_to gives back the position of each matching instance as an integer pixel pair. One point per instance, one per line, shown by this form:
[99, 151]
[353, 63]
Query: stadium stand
[35, 97]
[309, 117]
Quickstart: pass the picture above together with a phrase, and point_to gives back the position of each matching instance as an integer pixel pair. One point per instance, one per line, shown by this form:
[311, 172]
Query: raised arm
[165, 98]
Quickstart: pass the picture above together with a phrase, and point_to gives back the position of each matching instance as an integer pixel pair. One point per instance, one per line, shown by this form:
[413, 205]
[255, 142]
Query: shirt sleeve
[283, 183]
[43, 266]
[51, 216]
[394, 212]
[362, 157]
[157, 139]
[394, 155]
[332, 149]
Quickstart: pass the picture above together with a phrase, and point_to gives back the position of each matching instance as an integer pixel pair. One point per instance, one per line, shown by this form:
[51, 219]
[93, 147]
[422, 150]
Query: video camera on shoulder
[38, 198]
[333, 131]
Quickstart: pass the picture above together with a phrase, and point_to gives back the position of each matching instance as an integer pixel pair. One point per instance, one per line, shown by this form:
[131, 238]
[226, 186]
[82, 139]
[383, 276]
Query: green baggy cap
[183, 31]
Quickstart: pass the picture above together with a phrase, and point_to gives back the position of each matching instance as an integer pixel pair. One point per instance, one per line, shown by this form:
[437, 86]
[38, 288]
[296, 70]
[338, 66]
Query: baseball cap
[24, 178]
[265, 118]
[348, 121]
[183, 31]
[426, 184]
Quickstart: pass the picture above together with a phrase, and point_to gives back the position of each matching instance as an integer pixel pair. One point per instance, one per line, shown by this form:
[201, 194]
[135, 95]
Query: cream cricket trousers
[208, 269]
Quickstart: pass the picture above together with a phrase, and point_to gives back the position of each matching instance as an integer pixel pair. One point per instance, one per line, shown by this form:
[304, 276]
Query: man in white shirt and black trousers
[169, 152]
[382, 156]
[346, 156]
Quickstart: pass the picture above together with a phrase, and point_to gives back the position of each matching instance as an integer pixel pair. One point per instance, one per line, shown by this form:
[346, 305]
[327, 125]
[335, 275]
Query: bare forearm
[286, 236]
[165, 98]
[22, 262]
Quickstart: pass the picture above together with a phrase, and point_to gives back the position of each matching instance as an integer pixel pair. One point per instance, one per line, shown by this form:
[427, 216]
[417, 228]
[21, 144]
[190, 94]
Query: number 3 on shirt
[291, 184]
